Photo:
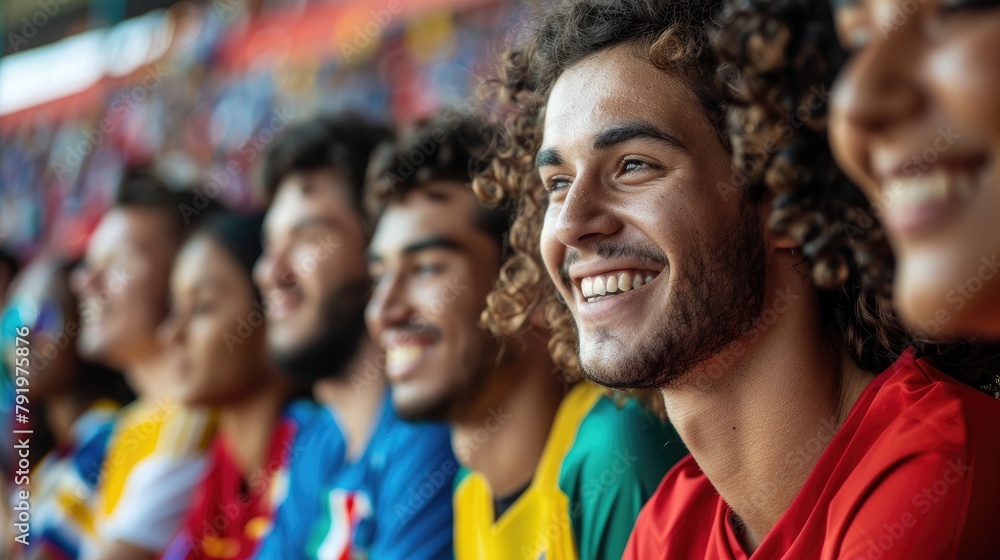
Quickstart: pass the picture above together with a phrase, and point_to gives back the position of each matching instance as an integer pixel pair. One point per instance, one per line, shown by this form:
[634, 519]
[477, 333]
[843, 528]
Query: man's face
[312, 275]
[122, 286]
[432, 269]
[645, 236]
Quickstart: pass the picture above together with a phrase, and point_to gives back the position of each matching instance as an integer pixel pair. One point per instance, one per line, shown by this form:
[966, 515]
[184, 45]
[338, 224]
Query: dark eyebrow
[313, 221]
[631, 131]
[430, 243]
[548, 157]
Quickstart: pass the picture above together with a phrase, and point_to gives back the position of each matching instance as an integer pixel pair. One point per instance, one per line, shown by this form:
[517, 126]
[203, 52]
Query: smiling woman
[916, 122]
[781, 60]
[212, 290]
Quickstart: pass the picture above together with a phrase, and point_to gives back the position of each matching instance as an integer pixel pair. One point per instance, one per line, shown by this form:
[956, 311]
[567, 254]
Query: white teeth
[930, 187]
[599, 289]
[938, 185]
[594, 287]
[625, 281]
[402, 354]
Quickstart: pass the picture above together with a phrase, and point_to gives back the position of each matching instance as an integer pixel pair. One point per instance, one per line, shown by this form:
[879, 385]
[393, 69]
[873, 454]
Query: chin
[923, 310]
[279, 338]
[626, 368]
[604, 365]
[611, 377]
[421, 408]
[89, 347]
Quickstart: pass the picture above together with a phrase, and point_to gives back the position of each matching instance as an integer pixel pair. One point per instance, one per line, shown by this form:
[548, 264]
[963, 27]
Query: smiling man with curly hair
[551, 467]
[653, 264]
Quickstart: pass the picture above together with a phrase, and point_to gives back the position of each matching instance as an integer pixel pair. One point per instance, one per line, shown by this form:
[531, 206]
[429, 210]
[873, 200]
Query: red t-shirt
[914, 472]
[233, 510]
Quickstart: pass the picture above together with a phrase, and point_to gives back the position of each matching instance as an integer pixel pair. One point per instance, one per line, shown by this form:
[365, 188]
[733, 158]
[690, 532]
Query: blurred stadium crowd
[201, 89]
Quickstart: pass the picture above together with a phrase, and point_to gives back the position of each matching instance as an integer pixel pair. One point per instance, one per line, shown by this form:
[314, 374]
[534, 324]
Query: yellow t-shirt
[155, 459]
[599, 466]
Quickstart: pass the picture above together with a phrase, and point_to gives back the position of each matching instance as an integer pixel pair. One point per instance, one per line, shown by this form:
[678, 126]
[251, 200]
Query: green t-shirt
[600, 465]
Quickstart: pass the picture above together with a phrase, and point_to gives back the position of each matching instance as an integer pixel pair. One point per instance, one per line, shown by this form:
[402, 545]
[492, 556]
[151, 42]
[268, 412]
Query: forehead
[202, 257]
[614, 86]
[439, 209]
[306, 196]
[128, 227]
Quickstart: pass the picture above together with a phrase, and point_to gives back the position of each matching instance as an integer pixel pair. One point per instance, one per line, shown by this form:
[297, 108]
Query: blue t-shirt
[394, 502]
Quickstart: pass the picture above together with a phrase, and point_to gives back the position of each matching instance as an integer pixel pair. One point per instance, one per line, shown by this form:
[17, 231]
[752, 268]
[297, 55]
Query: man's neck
[150, 377]
[356, 396]
[758, 416]
[503, 433]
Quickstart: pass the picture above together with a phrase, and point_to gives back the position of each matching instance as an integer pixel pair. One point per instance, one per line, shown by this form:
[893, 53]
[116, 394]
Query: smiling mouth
[939, 185]
[604, 286]
[404, 354]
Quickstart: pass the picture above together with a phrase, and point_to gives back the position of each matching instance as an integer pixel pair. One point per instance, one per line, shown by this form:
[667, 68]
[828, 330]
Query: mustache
[417, 326]
[609, 250]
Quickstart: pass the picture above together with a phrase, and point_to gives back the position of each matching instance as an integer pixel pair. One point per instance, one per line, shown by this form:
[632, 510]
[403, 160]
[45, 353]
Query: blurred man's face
[211, 293]
[432, 269]
[645, 235]
[915, 122]
[122, 286]
[312, 275]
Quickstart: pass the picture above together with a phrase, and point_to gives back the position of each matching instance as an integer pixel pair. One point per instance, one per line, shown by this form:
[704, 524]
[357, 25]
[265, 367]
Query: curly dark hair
[778, 61]
[182, 210]
[342, 142]
[672, 35]
[447, 146]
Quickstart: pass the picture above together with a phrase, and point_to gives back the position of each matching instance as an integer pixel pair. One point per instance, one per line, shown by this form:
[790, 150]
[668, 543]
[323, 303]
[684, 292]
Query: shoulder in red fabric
[914, 472]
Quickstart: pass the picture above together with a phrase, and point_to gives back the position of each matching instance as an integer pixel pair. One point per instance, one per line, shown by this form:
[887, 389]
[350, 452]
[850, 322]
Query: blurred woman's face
[213, 333]
[916, 123]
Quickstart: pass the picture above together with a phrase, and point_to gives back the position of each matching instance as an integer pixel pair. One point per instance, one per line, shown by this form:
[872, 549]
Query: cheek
[372, 322]
[670, 216]
[462, 314]
[965, 78]
[304, 266]
[320, 275]
[434, 304]
[143, 299]
[847, 142]
[550, 247]
[207, 343]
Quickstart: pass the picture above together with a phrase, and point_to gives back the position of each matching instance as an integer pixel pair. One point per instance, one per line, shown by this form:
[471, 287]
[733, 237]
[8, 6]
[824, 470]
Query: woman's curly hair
[778, 60]
[672, 35]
